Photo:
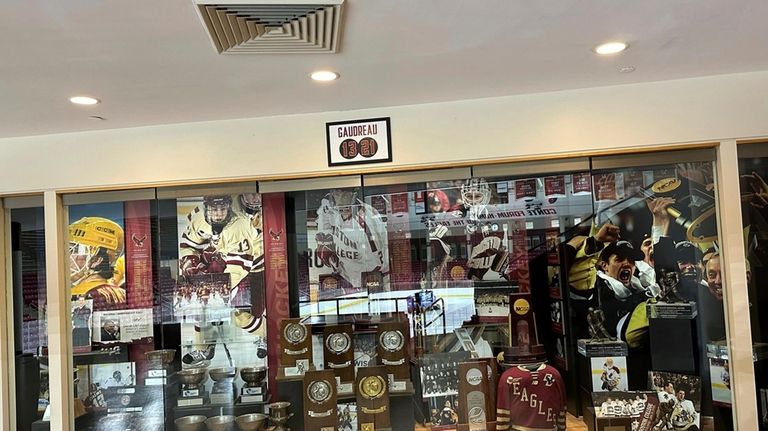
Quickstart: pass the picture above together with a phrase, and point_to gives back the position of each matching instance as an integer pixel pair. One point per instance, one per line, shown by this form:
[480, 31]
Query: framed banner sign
[358, 141]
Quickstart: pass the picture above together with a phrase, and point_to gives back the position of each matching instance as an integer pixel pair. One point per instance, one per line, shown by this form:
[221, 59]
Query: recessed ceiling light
[324, 75]
[84, 100]
[610, 48]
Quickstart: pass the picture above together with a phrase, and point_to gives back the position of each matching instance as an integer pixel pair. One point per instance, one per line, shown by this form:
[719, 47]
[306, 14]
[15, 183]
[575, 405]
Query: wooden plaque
[372, 398]
[339, 351]
[392, 340]
[320, 412]
[295, 343]
[475, 404]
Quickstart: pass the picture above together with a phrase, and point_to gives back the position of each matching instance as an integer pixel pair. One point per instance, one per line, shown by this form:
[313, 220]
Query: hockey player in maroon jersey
[530, 398]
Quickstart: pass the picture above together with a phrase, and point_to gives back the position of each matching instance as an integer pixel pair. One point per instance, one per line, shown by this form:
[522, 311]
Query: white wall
[690, 110]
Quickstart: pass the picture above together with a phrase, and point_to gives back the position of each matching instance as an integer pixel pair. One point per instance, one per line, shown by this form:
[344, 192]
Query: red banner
[138, 254]
[605, 187]
[525, 189]
[554, 186]
[275, 277]
[633, 183]
[581, 183]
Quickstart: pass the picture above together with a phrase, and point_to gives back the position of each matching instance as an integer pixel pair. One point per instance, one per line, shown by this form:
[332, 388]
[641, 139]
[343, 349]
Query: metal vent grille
[253, 27]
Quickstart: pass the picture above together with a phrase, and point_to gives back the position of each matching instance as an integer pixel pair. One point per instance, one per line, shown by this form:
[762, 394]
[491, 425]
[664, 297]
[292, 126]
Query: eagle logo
[275, 235]
[138, 241]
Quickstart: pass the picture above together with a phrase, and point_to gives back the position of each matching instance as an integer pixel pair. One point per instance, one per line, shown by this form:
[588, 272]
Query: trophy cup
[251, 422]
[278, 415]
[191, 392]
[190, 423]
[159, 363]
[255, 387]
[220, 423]
[223, 391]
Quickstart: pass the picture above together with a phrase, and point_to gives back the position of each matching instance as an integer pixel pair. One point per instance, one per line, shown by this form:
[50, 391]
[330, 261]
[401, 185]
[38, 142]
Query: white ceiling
[151, 61]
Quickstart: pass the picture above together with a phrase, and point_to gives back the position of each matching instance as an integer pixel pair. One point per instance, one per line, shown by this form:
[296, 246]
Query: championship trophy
[223, 391]
[476, 408]
[372, 398]
[255, 387]
[339, 352]
[392, 351]
[600, 343]
[159, 364]
[278, 416]
[191, 391]
[295, 348]
[320, 412]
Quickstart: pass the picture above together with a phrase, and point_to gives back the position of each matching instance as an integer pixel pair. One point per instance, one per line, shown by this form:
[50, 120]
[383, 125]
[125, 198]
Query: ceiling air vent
[272, 27]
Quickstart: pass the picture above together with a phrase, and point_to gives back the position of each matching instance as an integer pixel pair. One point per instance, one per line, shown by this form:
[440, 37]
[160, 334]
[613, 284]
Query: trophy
[596, 322]
[338, 350]
[476, 408]
[372, 398]
[220, 423]
[278, 415]
[191, 392]
[159, 363]
[190, 423]
[670, 304]
[320, 412]
[295, 347]
[255, 387]
[223, 391]
[392, 350]
[251, 422]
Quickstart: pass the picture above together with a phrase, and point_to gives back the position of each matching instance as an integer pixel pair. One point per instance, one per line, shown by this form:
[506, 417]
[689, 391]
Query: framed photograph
[609, 374]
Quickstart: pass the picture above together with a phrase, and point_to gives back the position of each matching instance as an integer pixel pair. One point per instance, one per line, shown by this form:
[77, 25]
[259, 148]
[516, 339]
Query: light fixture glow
[84, 100]
[610, 48]
[324, 75]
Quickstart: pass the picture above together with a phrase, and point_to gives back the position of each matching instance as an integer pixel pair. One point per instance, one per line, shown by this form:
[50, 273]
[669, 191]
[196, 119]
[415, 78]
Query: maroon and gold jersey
[530, 399]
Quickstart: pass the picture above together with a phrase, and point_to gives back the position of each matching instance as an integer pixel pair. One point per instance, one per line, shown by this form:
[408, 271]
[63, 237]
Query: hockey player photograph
[609, 374]
[96, 256]
[351, 239]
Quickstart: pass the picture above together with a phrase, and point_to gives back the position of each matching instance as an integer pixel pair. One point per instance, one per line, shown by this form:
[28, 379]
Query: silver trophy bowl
[251, 422]
[220, 423]
[160, 358]
[192, 377]
[253, 376]
[222, 373]
[190, 423]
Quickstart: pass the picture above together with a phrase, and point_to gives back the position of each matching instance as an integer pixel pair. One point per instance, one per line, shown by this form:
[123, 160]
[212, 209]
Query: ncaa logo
[474, 376]
[521, 307]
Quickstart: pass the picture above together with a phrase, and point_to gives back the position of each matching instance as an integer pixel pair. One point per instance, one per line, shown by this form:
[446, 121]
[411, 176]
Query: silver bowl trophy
[223, 391]
[220, 423]
[190, 423]
[159, 365]
[191, 391]
[278, 415]
[251, 422]
[255, 388]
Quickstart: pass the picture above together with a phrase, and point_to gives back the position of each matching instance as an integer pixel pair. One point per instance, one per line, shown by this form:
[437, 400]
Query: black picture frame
[358, 162]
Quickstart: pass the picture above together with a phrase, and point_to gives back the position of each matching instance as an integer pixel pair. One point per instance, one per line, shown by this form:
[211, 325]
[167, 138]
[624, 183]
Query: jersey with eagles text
[530, 399]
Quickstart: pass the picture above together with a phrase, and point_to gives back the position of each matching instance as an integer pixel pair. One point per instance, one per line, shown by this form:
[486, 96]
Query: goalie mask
[251, 203]
[475, 192]
[95, 244]
[344, 201]
[218, 211]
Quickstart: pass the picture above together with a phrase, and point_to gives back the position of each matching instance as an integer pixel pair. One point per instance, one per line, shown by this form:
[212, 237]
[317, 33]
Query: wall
[628, 116]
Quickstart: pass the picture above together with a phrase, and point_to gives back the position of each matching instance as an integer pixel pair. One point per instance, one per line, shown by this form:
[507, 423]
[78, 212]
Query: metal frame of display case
[59, 324]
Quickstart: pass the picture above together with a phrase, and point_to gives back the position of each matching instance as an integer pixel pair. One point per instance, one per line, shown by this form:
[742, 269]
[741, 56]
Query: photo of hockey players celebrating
[679, 400]
[620, 404]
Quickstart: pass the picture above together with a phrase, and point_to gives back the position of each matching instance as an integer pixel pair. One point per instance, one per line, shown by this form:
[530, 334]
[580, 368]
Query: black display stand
[291, 389]
[674, 345]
